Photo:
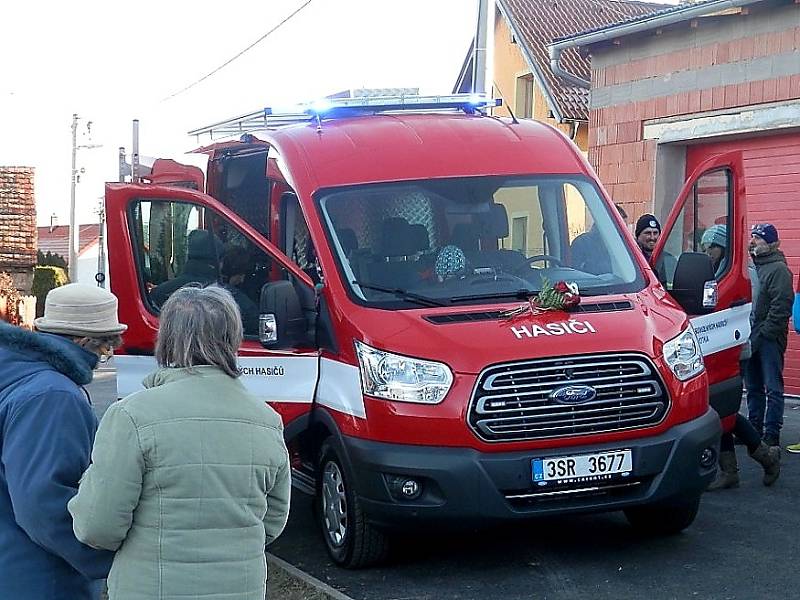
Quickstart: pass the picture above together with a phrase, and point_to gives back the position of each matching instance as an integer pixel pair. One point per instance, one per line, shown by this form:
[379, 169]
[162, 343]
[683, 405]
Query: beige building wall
[508, 67]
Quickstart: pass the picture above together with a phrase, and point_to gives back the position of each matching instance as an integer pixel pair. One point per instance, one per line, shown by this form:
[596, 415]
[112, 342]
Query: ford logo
[573, 394]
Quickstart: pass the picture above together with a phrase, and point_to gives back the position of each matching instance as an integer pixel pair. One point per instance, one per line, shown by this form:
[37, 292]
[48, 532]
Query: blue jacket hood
[23, 353]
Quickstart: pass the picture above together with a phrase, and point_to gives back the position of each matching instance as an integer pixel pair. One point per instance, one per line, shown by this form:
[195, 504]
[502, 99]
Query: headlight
[683, 355]
[401, 378]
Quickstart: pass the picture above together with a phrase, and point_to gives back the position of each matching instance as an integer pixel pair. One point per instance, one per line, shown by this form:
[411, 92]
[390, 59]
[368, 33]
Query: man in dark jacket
[647, 232]
[47, 428]
[768, 335]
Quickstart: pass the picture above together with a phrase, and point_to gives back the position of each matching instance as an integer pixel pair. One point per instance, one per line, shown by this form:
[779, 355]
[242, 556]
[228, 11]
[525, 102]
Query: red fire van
[384, 253]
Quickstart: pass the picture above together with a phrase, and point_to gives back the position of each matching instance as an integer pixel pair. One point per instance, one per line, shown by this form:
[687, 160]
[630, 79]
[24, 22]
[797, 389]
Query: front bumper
[463, 487]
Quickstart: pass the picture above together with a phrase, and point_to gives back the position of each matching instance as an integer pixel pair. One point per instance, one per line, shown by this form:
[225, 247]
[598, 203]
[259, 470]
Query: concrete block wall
[719, 63]
[18, 225]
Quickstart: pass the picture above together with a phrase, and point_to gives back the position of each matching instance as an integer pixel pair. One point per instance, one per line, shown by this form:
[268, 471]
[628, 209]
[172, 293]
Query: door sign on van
[723, 329]
[558, 328]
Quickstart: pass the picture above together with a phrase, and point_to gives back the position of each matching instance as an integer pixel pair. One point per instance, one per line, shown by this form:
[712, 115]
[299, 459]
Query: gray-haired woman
[190, 477]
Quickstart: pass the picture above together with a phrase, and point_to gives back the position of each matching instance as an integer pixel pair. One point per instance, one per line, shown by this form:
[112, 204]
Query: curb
[293, 572]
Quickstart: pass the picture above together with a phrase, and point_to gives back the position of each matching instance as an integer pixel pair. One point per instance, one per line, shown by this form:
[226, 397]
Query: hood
[23, 353]
[469, 339]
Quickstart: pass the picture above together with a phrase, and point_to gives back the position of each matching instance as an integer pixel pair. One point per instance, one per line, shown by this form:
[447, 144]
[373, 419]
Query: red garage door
[772, 179]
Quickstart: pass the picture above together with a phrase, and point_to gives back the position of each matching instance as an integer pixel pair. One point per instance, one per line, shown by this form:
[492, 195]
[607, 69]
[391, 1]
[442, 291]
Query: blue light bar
[340, 106]
[274, 118]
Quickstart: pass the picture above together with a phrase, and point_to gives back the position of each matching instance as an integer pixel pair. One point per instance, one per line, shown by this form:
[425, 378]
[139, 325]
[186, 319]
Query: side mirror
[281, 322]
[693, 286]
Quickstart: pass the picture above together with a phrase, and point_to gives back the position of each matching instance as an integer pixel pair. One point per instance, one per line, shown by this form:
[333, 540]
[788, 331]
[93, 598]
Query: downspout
[555, 50]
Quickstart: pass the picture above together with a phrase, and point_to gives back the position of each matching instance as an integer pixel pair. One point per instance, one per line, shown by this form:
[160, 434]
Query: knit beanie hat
[766, 231]
[646, 221]
[79, 309]
[716, 235]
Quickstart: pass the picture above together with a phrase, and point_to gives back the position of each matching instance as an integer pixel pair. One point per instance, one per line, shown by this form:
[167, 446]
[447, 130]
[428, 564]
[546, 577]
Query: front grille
[512, 402]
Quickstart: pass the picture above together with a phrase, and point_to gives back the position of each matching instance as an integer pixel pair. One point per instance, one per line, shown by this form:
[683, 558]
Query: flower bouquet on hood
[561, 296]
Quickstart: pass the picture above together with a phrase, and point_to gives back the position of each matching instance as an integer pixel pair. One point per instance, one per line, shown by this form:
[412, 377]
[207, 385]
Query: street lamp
[74, 234]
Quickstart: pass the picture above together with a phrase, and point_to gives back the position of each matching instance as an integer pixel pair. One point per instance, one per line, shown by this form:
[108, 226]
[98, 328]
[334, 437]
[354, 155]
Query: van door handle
[739, 302]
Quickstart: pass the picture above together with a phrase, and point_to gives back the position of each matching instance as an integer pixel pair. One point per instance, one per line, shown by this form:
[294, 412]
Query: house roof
[653, 20]
[56, 239]
[537, 23]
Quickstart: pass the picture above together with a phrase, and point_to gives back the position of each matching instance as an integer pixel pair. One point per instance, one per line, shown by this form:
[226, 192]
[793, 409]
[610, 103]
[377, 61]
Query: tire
[350, 540]
[664, 518]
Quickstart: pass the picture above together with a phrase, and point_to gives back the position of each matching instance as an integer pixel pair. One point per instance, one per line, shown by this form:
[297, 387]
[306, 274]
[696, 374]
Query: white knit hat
[81, 310]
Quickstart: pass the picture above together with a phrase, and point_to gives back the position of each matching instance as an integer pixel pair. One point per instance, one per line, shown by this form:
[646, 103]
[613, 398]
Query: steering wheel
[544, 258]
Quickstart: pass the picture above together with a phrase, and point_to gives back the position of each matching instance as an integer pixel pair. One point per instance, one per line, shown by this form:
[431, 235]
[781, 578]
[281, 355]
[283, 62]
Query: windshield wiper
[521, 294]
[401, 293]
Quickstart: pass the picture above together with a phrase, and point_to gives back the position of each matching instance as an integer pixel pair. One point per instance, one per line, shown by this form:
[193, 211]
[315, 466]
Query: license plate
[582, 467]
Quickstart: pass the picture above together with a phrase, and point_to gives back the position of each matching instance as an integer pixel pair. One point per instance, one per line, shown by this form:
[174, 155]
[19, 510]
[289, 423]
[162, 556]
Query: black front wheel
[351, 541]
[663, 518]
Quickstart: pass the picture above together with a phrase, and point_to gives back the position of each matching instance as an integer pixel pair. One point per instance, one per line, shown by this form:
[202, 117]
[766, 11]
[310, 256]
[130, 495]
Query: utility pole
[100, 276]
[73, 227]
[479, 53]
[74, 233]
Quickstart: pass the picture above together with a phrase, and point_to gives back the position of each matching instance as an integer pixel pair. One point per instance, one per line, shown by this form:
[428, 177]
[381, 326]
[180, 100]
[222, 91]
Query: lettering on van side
[558, 328]
[277, 371]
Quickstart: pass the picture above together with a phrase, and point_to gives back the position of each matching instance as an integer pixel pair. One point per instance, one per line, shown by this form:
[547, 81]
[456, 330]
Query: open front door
[164, 237]
[709, 216]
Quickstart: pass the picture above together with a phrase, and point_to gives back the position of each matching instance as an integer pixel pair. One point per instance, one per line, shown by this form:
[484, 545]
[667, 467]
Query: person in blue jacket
[795, 448]
[47, 428]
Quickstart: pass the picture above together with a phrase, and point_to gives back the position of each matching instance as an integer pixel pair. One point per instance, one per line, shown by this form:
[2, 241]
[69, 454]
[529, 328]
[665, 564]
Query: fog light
[403, 488]
[410, 489]
[708, 457]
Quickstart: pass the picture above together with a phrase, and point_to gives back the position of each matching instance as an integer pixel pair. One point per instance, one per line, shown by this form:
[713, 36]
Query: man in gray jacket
[769, 330]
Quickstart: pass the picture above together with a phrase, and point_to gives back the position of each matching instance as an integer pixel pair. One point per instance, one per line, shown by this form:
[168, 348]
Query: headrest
[497, 223]
[465, 236]
[348, 240]
[396, 238]
[203, 245]
[419, 235]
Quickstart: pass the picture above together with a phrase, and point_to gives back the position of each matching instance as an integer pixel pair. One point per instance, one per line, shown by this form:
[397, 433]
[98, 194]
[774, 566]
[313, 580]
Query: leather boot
[769, 457]
[728, 472]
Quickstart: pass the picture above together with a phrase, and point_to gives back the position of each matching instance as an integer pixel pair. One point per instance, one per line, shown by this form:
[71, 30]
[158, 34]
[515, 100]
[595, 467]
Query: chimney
[53, 222]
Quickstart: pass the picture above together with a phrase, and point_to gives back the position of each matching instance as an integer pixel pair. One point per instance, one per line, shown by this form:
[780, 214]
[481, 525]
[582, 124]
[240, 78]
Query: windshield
[475, 240]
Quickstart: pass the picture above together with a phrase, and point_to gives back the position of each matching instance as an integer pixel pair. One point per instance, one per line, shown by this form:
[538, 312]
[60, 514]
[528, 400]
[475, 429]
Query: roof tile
[539, 22]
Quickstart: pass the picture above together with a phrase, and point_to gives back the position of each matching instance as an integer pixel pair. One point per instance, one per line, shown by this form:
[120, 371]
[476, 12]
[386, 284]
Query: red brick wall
[17, 224]
[623, 160]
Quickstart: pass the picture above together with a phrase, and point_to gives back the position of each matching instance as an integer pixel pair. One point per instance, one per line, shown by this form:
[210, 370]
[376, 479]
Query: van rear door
[710, 216]
[163, 237]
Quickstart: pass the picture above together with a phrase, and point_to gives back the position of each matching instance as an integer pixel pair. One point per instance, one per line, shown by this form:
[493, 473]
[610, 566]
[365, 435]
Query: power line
[250, 47]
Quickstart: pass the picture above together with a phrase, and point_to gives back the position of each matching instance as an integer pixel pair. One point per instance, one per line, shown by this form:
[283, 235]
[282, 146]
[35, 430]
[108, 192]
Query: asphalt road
[743, 545]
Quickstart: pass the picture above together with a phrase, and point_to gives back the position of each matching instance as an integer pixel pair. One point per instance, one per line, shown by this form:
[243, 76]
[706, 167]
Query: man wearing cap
[47, 428]
[647, 232]
[769, 324]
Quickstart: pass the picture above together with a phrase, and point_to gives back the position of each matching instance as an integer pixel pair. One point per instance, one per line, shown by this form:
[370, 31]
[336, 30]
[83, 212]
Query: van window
[178, 244]
[297, 238]
[475, 239]
[702, 225]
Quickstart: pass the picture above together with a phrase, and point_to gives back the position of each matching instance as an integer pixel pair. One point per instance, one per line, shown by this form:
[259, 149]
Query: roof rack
[331, 108]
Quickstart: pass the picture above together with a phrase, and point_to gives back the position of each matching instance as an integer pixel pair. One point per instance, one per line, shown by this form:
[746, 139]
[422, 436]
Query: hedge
[44, 280]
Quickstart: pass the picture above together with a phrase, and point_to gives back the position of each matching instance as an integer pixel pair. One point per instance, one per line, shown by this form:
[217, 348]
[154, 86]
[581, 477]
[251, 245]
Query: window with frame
[524, 97]
[702, 225]
[179, 243]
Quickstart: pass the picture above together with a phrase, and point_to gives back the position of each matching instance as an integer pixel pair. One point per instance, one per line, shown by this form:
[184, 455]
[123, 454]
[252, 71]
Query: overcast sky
[111, 62]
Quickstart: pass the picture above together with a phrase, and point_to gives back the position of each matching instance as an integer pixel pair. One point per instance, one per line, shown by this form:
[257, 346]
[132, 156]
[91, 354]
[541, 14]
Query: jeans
[764, 381]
